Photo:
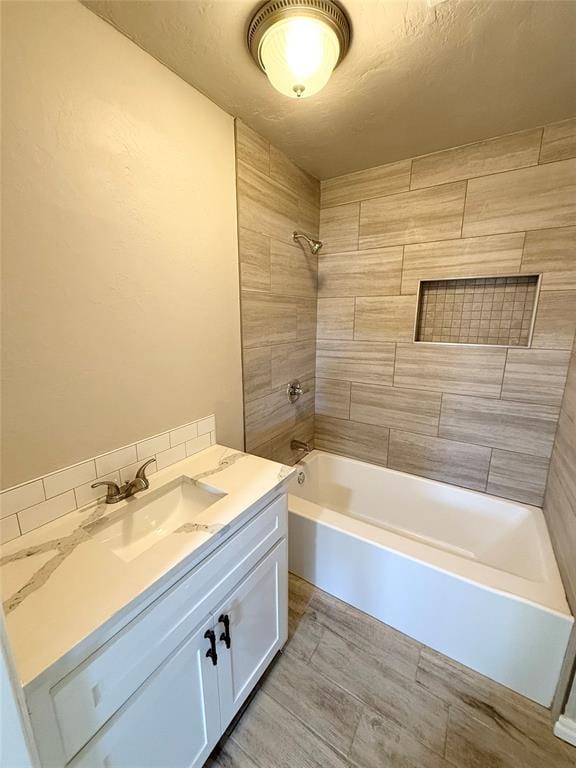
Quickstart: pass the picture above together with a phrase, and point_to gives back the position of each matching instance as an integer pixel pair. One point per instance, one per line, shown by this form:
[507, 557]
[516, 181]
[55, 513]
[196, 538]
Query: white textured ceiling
[419, 77]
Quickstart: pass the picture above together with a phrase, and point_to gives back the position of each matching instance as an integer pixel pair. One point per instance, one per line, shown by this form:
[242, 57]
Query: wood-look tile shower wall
[480, 417]
[278, 281]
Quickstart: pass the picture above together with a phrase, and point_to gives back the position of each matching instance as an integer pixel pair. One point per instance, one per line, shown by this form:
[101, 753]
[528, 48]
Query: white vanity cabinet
[162, 689]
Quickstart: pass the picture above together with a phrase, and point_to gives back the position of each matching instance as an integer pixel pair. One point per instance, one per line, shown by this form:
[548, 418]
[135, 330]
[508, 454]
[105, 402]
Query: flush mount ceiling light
[298, 43]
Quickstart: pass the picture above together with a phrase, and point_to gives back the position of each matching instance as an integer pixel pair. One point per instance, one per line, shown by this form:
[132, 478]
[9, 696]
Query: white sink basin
[143, 522]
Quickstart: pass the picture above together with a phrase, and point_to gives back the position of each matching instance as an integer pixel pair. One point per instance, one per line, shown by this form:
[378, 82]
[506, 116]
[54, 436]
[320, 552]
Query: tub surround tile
[518, 476]
[555, 324]
[551, 252]
[355, 361]
[294, 270]
[361, 185]
[388, 318]
[539, 197]
[264, 205]
[251, 148]
[559, 141]
[397, 408]
[333, 398]
[459, 370]
[371, 676]
[254, 257]
[328, 710]
[267, 320]
[339, 228]
[336, 318]
[471, 257]
[366, 442]
[449, 461]
[266, 417]
[505, 153]
[360, 273]
[279, 448]
[296, 360]
[287, 173]
[535, 376]
[412, 217]
[560, 512]
[21, 497]
[512, 426]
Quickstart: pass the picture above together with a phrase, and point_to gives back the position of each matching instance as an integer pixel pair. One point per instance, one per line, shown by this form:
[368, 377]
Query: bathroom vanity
[139, 629]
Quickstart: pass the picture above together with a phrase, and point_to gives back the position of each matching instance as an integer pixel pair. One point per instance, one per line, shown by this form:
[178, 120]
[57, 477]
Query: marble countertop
[60, 585]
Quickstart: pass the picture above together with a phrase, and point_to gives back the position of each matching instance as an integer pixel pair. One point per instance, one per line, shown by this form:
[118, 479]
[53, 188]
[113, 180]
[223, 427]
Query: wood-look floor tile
[504, 153]
[358, 628]
[230, 755]
[251, 148]
[535, 375]
[470, 257]
[551, 251]
[412, 217]
[559, 141]
[381, 743]
[304, 634]
[512, 426]
[555, 324]
[361, 185]
[323, 706]
[518, 476]
[254, 257]
[350, 438]
[396, 408]
[293, 270]
[449, 461]
[336, 318]
[360, 273]
[364, 361]
[339, 228]
[472, 744]
[333, 398]
[274, 738]
[371, 676]
[532, 198]
[300, 593]
[461, 370]
[388, 318]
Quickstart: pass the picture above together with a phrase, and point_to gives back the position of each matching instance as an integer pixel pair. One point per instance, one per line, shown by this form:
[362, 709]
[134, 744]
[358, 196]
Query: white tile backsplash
[110, 462]
[171, 456]
[46, 511]
[9, 529]
[15, 499]
[40, 501]
[69, 478]
[148, 448]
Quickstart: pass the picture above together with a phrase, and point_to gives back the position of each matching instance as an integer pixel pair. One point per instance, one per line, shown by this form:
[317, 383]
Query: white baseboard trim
[565, 729]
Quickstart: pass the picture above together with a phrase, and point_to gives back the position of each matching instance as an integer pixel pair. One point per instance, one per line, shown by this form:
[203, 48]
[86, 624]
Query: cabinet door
[172, 721]
[257, 612]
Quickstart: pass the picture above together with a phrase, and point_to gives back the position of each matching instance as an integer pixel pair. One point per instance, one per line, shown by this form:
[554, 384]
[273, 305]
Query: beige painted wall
[120, 278]
[483, 417]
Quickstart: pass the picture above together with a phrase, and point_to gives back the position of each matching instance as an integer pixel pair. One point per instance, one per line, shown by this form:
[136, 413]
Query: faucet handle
[141, 473]
[113, 490]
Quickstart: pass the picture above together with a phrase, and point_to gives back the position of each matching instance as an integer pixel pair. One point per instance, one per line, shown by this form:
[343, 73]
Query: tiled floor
[349, 692]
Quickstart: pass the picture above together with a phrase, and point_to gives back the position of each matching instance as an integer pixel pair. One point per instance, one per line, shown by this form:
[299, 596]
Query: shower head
[314, 245]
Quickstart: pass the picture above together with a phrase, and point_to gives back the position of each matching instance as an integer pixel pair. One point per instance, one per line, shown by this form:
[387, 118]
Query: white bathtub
[470, 575]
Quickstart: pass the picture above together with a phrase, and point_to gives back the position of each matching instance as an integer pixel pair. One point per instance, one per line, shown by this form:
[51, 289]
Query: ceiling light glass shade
[298, 43]
[298, 55]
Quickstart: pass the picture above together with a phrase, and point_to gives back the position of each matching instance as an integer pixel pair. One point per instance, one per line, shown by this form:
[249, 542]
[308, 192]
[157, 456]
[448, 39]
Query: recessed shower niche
[497, 311]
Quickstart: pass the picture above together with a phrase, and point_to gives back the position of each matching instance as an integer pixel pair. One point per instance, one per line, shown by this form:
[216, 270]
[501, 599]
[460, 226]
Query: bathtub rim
[553, 598]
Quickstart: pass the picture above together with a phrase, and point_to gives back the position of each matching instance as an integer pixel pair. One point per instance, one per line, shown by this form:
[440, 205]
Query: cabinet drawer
[87, 697]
